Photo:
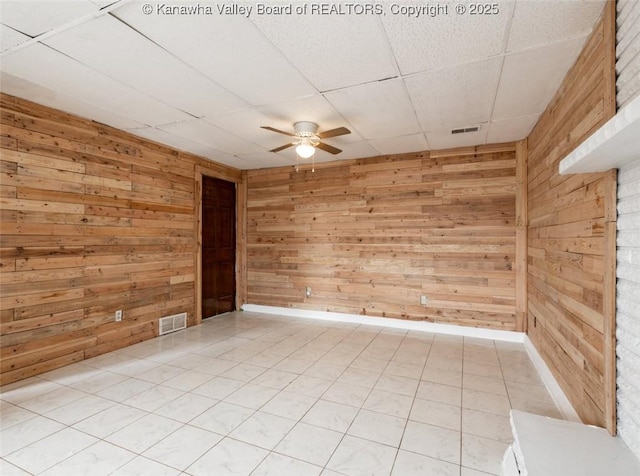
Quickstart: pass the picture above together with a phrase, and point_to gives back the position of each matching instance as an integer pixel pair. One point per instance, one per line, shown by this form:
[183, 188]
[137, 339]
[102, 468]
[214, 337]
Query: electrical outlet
[119, 315]
[308, 291]
[423, 300]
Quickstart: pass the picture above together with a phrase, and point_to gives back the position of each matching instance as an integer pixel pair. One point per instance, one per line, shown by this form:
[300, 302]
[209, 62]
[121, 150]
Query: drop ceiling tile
[25, 89]
[180, 143]
[247, 124]
[50, 69]
[237, 55]
[111, 47]
[204, 133]
[530, 78]
[377, 110]
[35, 17]
[332, 51]
[456, 97]
[401, 144]
[355, 150]
[10, 38]
[514, 128]
[264, 161]
[446, 140]
[545, 22]
[428, 43]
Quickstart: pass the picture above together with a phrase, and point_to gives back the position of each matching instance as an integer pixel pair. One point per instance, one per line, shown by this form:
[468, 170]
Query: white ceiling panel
[10, 38]
[430, 43]
[446, 140]
[209, 135]
[111, 47]
[531, 78]
[542, 22]
[456, 97]
[511, 129]
[186, 145]
[34, 17]
[25, 89]
[242, 55]
[206, 82]
[250, 122]
[401, 144]
[50, 69]
[332, 51]
[389, 114]
[262, 161]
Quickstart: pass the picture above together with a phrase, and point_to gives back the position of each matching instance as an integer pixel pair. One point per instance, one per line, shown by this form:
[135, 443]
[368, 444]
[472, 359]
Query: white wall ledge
[614, 145]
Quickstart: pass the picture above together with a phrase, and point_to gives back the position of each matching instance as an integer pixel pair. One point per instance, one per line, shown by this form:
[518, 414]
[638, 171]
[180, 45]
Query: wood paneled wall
[93, 220]
[571, 236]
[371, 236]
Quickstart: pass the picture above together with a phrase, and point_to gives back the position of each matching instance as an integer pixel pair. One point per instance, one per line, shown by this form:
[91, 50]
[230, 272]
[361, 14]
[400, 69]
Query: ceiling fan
[307, 138]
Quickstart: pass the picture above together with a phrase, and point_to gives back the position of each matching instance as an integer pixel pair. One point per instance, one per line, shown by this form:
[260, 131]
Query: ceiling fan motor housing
[306, 129]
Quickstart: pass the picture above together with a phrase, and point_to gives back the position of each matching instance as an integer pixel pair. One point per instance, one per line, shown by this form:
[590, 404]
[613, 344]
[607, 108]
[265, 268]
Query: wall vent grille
[173, 323]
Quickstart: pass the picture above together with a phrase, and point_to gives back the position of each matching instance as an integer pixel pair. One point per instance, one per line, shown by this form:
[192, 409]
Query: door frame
[241, 256]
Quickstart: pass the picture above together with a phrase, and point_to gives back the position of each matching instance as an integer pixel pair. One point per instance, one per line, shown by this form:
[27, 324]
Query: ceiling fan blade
[282, 147]
[273, 129]
[328, 148]
[339, 131]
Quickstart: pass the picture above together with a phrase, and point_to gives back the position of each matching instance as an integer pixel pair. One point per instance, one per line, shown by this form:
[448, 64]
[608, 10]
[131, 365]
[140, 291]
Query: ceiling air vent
[173, 323]
[463, 130]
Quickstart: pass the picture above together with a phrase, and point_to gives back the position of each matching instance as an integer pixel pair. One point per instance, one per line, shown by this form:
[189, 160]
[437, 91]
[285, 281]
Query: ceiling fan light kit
[308, 139]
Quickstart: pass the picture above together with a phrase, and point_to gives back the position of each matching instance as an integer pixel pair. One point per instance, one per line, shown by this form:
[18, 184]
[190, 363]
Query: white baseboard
[561, 400]
[507, 336]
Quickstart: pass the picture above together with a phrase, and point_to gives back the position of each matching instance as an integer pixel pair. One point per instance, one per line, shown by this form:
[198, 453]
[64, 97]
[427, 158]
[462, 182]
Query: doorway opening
[218, 262]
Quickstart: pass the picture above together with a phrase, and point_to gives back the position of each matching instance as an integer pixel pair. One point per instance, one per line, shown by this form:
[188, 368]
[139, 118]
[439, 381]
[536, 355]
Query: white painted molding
[612, 146]
[449, 329]
[561, 400]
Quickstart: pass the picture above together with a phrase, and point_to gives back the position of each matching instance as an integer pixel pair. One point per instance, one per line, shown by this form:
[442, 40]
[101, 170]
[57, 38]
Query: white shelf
[548, 447]
[614, 145]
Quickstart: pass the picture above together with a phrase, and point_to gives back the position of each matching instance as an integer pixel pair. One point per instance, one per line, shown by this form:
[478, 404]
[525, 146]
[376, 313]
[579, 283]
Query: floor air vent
[173, 323]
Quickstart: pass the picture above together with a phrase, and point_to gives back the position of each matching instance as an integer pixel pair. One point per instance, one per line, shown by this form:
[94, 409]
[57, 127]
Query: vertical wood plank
[521, 236]
[609, 300]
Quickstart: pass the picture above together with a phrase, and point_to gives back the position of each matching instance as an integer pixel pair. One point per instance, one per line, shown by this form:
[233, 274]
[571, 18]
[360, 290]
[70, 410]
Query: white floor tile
[80, 409]
[440, 393]
[228, 458]
[222, 418]
[26, 433]
[273, 378]
[482, 454]
[389, 403]
[110, 420]
[310, 443]
[309, 386]
[187, 380]
[331, 415]
[154, 398]
[396, 384]
[346, 393]
[124, 390]
[486, 402]
[143, 433]
[99, 459]
[436, 413]
[263, 430]
[484, 384]
[413, 464]
[444, 377]
[183, 447]
[50, 450]
[218, 388]
[358, 457]
[13, 414]
[487, 425]
[186, 407]
[280, 465]
[378, 427]
[142, 466]
[52, 400]
[252, 396]
[289, 405]
[432, 441]
[7, 469]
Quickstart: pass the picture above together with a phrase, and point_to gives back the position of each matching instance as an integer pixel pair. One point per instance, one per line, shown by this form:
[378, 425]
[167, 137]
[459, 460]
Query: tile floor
[251, 394]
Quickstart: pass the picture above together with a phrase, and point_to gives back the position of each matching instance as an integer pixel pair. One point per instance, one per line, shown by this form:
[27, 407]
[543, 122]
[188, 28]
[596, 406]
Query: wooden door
[218, 246]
